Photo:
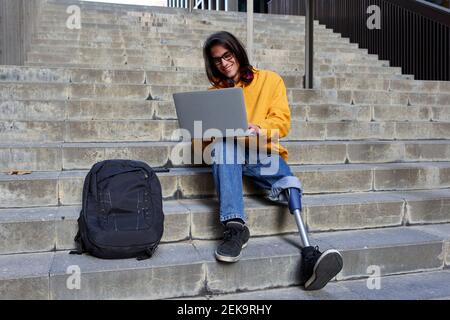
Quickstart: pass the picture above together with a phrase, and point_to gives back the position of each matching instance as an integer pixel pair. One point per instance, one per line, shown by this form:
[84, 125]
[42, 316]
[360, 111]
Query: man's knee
[278, 191]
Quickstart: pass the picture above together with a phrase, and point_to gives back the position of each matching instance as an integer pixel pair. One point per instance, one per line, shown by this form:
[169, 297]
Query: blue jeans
[269, 172]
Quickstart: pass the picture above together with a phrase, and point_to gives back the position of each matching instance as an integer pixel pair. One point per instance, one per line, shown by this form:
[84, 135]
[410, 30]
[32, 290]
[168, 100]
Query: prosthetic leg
[295, 207]
[316, 268]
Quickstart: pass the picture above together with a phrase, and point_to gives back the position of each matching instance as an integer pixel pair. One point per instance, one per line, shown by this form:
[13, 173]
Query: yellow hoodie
[267, 106]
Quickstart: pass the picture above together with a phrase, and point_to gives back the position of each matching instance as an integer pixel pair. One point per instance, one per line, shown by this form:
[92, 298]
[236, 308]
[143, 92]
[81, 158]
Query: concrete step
[130, 21]
[154, 13]
[79, 75]
[324, 80]
[157, 41]
[415, 286]
[101, 11]
[117, 76]
[150, 15]
[397, 85]
[321, 65]
[354, 130]
[188, 37]
[150, 18]
[141, 92]
[59, 110]
[196, 52]
[369, 113]
[164, 130]
[264, 62]
[187, 40]
[367, 75]
[364, 69]
[138, 25]
[139, 29]
[75, 156]
[65, 188]
[45, 229]
[321, 49]
[355, 96]
[187, 33]
[55, 59]
[94, 61]
[190, 269]
[89, 131]
[30, 91]
[197, 78]
[330, 68]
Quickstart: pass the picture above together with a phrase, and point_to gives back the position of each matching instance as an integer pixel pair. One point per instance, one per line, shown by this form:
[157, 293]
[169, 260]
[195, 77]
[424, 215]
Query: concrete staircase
[370, 144]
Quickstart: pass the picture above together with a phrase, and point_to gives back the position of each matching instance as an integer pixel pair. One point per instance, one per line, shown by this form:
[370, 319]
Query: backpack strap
[91, 179]
[147, 254]
[79, 248]
[78, 244]
[161, 169]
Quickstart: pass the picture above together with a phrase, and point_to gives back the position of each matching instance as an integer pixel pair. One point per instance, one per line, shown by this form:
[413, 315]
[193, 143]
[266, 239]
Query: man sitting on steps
[227, 65]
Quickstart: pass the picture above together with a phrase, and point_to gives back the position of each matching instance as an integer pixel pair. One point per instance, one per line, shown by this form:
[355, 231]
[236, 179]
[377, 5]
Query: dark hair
[231, 43]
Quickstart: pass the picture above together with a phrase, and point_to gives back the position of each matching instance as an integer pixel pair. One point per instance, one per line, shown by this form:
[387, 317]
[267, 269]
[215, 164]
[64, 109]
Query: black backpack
[121, 215]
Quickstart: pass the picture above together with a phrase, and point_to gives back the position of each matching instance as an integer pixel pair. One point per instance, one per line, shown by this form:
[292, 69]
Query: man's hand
[254, 127]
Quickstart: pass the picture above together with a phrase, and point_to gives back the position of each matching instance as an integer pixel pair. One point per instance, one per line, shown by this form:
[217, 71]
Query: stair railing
[411, 34]
[196, 4]
[309, 45]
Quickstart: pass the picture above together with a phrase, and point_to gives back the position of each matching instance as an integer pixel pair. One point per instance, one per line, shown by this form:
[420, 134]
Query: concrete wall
[18, 21]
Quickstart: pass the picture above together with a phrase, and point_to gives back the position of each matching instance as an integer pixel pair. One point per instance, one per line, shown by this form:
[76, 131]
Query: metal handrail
[195, 4]
[435, 6]
[309, 45]
[411, 34]
[250, 29]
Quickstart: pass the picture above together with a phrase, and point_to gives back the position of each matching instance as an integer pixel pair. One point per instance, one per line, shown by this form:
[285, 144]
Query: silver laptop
[220, 109]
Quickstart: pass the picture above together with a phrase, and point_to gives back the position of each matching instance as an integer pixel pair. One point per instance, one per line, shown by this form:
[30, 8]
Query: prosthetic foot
[316, 268]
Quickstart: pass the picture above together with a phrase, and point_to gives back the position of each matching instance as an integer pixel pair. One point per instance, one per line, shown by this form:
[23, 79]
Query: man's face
[225, 61]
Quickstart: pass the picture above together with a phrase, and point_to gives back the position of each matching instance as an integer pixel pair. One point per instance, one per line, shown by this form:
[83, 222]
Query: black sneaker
[235, 238]
[318, 268]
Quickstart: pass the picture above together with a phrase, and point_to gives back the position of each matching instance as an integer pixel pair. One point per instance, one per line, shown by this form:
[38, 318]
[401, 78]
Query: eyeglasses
[228, 56]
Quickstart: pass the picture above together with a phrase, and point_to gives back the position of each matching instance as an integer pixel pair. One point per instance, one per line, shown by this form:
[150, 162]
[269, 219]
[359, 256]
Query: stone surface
[26, 191]
[173, 271]
[416, 286]
[435, 210]
[47, 228]
[27, 230]
[25, 277]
